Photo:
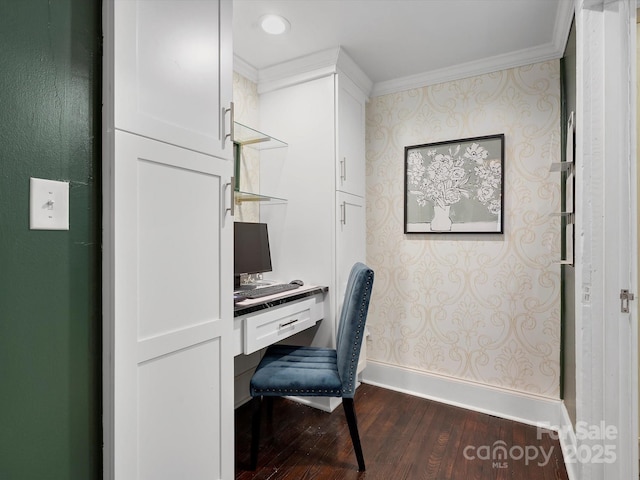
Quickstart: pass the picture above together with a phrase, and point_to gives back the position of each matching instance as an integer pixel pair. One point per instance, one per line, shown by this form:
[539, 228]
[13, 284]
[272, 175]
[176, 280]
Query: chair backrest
[351, 326]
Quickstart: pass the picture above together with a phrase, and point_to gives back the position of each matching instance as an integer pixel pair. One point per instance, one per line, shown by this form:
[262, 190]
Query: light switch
[49, 205]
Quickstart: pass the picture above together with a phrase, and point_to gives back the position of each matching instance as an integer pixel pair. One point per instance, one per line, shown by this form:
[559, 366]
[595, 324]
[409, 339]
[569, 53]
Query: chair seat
[293, 370]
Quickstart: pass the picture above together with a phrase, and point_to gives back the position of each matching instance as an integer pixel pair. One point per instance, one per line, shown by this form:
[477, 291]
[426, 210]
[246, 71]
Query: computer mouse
[297, 282]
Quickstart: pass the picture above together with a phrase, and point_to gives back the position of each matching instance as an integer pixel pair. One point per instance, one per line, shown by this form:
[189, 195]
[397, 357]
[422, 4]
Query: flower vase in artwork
[441, 221]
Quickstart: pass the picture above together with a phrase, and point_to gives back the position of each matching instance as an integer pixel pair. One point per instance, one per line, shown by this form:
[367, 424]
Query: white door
[350, 131]
[350, 240]
[172, 387]
[167, 272]
[606, 249]
[168, 59]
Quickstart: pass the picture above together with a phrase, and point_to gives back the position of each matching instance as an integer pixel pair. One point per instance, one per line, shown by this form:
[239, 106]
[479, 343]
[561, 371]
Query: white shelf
[242, 197]
[568, 215]
[247, 137]
[250, 137]
[561, 166]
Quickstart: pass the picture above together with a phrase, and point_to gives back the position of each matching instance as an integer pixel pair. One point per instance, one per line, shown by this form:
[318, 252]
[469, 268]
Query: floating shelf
[242, 197]
[247, 136]
[570, 216]
[561, 166]
[258, 142]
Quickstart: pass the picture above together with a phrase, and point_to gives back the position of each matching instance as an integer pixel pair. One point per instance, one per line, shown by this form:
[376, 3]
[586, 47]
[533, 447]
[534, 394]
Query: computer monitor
[251, 249]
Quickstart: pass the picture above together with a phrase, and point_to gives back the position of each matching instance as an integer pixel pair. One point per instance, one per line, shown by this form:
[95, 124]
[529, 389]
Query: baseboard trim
[520, 407]
[569, 443]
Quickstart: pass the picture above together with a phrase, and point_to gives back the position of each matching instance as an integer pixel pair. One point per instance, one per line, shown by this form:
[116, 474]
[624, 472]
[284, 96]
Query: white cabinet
[170, 64]
[167, 272]
[350, 181]
[322, 231]
[350, 237]
[259, 329]
[350, 130]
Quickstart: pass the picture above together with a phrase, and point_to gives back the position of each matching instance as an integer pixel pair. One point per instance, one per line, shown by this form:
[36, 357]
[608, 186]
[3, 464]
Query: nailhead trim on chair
[355, 350]
[295, 390]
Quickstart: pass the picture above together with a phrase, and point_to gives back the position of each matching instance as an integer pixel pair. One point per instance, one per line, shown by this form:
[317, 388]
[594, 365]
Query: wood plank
[403, 437]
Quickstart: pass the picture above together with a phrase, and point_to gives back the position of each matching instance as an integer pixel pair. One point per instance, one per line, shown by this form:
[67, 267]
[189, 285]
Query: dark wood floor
[403, 438]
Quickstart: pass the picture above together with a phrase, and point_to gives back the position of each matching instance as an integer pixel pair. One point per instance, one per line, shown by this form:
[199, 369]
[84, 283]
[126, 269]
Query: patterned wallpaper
[483, 308]
[246, 108]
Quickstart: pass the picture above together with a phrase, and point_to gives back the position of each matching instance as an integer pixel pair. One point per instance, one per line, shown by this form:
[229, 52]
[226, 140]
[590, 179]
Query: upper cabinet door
[350, 168]
[171, 62]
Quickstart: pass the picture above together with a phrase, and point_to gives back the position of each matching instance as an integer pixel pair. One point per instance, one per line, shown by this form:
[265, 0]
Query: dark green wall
[50, 345]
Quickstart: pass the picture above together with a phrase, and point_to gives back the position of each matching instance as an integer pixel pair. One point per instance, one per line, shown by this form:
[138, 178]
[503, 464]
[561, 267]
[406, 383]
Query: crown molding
[298, 70]
[469, 69]
[245, 69]
[528, 56]
[564, 19]
[310, 67]
[351, 69]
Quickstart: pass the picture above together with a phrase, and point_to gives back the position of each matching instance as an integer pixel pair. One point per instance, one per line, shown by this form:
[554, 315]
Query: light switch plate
[49, 205]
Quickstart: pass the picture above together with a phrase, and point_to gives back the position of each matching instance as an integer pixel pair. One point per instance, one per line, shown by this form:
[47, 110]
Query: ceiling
[406, 42]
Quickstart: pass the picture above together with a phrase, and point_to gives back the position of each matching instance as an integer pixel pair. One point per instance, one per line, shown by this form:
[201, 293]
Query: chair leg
[255, 430]
[350, 413]
[269, 404]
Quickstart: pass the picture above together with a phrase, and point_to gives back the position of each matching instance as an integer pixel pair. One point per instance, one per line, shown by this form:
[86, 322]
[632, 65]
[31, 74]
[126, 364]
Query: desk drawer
[269, 327]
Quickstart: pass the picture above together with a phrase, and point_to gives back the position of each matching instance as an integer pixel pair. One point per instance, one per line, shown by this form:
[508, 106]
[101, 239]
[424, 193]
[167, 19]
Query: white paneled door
[167, 242]
[350, 240]
[170, 57]
[350, 132]
[172, 358]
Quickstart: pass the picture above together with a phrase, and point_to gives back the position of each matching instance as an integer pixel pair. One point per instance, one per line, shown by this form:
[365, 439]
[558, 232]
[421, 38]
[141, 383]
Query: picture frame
[455, 186]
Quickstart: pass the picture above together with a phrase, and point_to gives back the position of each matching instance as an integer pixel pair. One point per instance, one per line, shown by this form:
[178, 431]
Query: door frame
[606, 241]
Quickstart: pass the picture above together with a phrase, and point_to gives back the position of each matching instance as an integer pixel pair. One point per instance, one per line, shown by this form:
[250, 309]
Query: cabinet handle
[343, 213]
[231, 133]
[232, 188]
[286, 324]
[343, 169]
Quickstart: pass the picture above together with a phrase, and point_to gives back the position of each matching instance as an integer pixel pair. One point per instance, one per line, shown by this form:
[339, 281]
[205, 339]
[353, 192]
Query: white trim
[564, 18]
[347, 66]
[297, 71]
[307, 76]
[568, 443]
[311, 67]
[243, 68]
[470, 69]
[521, 407]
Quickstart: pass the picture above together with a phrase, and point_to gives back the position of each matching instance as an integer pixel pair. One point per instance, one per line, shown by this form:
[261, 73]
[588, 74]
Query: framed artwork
[455, 186]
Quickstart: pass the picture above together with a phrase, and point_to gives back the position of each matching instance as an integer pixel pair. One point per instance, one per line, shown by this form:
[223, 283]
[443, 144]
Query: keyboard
[265, 291]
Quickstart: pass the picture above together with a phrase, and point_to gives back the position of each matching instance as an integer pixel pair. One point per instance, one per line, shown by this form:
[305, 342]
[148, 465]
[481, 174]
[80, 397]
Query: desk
[261, 322]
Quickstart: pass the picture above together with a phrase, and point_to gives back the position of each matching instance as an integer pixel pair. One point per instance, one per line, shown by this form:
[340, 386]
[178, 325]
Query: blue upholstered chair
[319, 372]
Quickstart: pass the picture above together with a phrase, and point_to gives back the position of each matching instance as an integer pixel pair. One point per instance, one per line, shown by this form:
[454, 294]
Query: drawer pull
[286, 324]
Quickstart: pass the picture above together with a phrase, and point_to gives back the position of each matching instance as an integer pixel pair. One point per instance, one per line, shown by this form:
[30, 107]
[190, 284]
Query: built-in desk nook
[261, 322]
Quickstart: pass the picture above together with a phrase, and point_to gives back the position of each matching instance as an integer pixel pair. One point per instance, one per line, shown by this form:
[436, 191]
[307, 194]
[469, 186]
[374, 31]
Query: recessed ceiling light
[274, 24]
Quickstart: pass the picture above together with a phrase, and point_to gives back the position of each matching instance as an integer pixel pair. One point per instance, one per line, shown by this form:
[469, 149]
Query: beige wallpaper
[246, 108]
[484, 308]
